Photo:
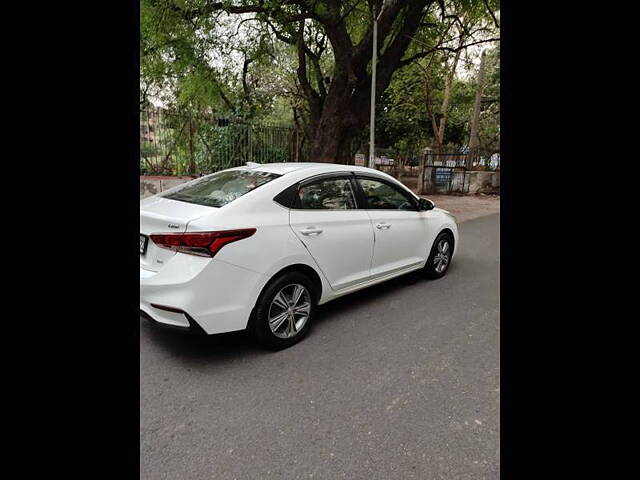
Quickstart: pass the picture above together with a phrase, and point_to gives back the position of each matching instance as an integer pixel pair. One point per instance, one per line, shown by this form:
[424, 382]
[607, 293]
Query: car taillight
[204, 244]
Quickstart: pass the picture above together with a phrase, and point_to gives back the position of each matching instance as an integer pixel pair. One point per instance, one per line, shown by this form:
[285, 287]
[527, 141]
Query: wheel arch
[305, 269]
[310, 272]
[451, 234]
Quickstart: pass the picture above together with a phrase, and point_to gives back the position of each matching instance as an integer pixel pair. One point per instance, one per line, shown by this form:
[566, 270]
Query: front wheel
[440, 256]
[283, 312]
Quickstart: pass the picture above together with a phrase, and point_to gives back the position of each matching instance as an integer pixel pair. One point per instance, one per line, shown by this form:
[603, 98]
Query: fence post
[421, 171]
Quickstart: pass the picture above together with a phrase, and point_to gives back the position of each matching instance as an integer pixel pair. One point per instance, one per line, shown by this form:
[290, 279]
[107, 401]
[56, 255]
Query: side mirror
[426, 204]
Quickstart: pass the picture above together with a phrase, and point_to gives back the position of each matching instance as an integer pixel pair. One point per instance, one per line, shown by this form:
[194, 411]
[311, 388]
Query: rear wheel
[284, 311]
[440, 256]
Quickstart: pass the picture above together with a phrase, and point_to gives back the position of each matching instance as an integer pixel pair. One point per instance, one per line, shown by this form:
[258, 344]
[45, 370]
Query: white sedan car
[260, 247]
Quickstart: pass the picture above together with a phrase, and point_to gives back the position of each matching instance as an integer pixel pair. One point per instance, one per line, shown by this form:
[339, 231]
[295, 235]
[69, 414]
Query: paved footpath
[398, 381]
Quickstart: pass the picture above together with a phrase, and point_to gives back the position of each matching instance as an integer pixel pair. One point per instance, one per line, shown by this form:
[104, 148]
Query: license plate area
[144, 240]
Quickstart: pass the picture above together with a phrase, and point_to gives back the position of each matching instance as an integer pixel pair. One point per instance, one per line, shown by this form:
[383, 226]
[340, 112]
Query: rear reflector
[168, 309]
[204, 244]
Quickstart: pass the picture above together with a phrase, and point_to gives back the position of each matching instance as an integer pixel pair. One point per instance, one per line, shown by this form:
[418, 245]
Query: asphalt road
[398, 381]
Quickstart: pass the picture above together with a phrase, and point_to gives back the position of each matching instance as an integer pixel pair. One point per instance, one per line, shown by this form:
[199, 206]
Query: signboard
[378, 161]
[442, 176]
[359, 160]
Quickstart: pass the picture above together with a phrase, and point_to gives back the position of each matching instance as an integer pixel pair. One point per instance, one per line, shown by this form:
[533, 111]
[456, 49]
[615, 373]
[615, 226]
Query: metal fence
[450, 171]
[184, 144]
[408, 161]
[445, 170]
[447, 180]
[476, 159]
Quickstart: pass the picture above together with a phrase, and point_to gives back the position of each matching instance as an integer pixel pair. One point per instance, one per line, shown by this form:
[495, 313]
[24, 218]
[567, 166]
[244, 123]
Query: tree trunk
[444, 108]
[331, 141]
[335, 123]
[474, 141]
[438, 125]
[192, 160]
[337, 117]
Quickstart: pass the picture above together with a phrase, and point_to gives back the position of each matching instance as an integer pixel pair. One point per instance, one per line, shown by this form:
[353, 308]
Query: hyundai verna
[259, 247]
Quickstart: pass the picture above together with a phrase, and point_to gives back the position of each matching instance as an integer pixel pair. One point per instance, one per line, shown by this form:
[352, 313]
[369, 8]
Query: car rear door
[399, 227]
[336, 233]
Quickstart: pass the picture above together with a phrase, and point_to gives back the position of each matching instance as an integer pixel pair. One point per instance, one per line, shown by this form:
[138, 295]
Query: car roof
[299, 171]
[290, 173]
[288, 167]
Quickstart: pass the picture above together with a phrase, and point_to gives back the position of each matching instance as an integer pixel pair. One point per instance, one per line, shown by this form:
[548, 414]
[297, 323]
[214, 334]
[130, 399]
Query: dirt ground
[467, 207]
[464, 207]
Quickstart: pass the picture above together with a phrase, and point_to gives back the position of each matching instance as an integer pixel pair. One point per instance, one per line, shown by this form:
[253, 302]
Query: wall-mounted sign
[359, 160]
[441, 176]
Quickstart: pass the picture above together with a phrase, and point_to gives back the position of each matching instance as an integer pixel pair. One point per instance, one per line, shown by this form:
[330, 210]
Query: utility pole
[374, 61]
[474, 141]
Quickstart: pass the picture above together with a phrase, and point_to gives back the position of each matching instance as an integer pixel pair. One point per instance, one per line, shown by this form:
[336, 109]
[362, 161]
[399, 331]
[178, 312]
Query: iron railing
[187, 144]
[475, 159]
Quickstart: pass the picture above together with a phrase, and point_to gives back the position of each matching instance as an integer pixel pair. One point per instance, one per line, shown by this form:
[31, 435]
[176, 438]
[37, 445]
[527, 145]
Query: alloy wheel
[442, 256]
[289, 311]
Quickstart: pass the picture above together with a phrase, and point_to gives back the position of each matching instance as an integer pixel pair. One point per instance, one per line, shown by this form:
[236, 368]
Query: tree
[469, 26]
[337, 99]
[175, 65]
[489, 128]
[330, 41]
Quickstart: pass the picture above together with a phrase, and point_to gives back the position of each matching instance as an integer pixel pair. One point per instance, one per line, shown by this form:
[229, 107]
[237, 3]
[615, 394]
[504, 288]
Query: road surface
[401, 380]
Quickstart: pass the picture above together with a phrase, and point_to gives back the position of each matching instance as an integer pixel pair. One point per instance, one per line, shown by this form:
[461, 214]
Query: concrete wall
[152, 185]
[474, 182]
[484, 182]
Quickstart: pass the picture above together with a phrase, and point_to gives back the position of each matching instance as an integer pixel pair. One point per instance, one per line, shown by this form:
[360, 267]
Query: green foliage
[174, 55]
[402, 120]
[199, 60]
[180, 142]
[489, 133]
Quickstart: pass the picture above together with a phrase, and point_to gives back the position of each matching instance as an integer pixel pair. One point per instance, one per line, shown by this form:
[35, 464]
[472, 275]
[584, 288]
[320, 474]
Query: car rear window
[221, 188]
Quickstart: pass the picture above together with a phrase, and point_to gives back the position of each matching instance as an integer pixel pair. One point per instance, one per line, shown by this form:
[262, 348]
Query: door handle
[383, 226]
[311, 231]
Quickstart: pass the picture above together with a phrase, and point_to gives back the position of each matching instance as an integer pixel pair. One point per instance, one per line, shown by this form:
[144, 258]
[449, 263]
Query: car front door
[399, 227]
[336, 233]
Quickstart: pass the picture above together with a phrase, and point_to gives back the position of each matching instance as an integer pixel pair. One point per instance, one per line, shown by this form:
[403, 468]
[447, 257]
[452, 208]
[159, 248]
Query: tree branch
[390, 59]
[312, 96]
[423, 54]
[245, 87]
[279, 35]
[495, 20]
[362, 51]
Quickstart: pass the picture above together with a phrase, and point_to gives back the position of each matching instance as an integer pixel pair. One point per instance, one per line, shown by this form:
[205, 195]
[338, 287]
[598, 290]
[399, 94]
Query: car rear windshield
[221, 188]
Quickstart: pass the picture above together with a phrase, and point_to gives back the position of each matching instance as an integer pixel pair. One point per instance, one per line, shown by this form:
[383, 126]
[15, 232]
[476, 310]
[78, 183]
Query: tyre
[284, 311]
[440, 256]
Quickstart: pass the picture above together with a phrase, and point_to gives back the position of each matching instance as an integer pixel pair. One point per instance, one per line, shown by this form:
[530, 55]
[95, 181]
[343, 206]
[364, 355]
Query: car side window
[382, 196]
[328, 194]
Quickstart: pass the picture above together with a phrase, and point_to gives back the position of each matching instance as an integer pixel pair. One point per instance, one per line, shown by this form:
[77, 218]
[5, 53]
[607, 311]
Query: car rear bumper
[193, 293]
[191, 327]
